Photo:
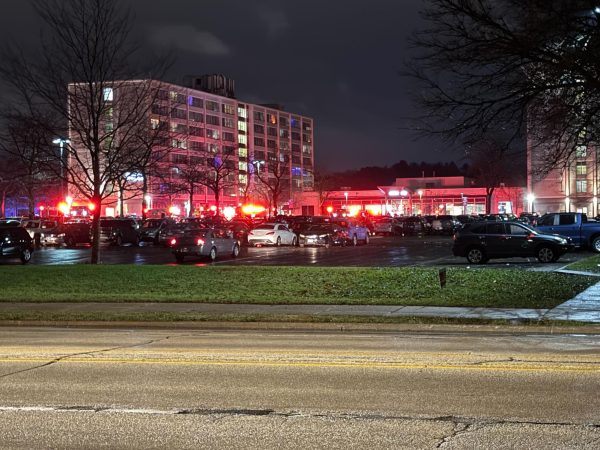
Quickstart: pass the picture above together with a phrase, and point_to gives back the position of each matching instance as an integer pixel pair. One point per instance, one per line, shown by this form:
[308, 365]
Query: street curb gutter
[309, 326]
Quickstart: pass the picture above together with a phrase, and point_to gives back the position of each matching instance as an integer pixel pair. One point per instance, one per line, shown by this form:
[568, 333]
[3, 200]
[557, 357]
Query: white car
[272, 234]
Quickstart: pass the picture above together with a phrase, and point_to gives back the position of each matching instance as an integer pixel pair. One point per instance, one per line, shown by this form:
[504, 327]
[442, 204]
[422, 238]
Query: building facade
[573, 187]
[426, 196]
[201, 129]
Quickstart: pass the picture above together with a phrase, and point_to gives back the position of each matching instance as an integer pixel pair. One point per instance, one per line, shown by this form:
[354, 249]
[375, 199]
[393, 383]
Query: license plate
[184, 250]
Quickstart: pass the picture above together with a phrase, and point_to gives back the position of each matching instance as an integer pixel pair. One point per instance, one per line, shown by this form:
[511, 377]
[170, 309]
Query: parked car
[323, 234]
[15, 242]
[240, 229]
[151, 228]
[205, 243]
[119, 231]
[272, 234]
[355, 230]
[75, 233]
[444, 224]
[481, 241]
[387, 226]
[412, 225]
[38, 227]
[584, 233]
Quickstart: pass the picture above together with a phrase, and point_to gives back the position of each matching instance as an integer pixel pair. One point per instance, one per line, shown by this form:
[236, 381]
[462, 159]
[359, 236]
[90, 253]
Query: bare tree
[491, 165]
[274, 179]
[219, 174]
[509, 67]
[84, 77]
[325, 182]
[27, 145]
[8, 179]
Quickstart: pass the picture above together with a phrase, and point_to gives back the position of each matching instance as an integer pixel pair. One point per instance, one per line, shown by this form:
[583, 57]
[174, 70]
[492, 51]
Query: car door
[496, 239]
[519, 243]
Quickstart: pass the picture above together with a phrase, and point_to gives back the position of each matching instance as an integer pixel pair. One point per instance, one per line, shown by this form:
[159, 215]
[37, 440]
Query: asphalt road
[229, 389]
[381, 252]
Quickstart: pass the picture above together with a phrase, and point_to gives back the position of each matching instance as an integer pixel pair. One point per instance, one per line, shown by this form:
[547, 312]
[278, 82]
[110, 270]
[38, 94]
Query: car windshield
[151, 224]
[265, 227]
[319, 229]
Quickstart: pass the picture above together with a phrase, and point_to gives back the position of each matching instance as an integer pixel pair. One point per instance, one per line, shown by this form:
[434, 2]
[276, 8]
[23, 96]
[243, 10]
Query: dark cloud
[335, 61]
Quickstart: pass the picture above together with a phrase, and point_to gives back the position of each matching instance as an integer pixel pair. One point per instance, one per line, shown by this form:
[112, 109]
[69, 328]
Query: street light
[530, 200]
[61, 143]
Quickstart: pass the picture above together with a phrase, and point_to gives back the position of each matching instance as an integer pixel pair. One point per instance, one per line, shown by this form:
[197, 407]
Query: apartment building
[205, 125]
[572, 187]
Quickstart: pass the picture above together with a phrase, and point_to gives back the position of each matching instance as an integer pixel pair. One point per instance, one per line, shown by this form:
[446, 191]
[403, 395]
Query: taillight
[173, 241]
[200, 242]
[531, 236]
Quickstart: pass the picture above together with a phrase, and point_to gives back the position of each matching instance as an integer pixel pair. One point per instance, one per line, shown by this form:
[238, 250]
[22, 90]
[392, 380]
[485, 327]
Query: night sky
[336, 61]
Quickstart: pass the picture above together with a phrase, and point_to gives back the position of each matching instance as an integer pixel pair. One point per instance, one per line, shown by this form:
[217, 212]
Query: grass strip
[411, 286]
[591, 264]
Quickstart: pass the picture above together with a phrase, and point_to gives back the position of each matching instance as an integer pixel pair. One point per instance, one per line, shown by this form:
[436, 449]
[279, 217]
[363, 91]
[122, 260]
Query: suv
[15, 242]
[480, 241]
[119, 231]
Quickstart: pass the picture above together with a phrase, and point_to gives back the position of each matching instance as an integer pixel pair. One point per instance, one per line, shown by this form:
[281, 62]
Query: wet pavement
[381, 252]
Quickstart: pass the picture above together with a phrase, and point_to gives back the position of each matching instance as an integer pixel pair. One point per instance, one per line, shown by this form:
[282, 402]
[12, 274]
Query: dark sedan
[481, 241]
[323, 235]
[15, 242]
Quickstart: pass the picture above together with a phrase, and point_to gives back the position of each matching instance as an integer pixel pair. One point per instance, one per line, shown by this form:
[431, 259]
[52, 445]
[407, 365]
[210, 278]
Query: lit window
[243, 166]
[581, 151]
[243, 153]
[242, 112]
[107, 93]
[242, 139]
[154, 123]
[581, 186]
[242, 125]
[581, 168]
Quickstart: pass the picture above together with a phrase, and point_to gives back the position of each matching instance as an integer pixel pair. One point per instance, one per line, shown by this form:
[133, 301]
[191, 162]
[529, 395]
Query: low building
[426, 196]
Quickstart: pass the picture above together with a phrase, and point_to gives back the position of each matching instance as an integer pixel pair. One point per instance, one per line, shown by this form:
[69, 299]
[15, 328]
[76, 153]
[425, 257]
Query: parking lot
[380, 252]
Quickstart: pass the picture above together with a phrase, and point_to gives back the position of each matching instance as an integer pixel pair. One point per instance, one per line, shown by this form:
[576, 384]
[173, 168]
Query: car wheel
[367, 239]
[476, 255]
[546, 254]
[179, 257]
[236, 251]
[596, 244]
[70, 242]
[213, 254]
[278, 242]
[156, 241]
[354, 240]
[25, 256]
[294, 241]
[136, 241]
[119, 241]
[301, 245]
[38, 240]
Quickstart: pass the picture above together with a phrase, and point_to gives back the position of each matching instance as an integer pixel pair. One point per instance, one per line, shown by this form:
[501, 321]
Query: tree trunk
[217, 201]
[3, 203]
[96, 231]
[488, 200]
[191, 200]
[145, 206]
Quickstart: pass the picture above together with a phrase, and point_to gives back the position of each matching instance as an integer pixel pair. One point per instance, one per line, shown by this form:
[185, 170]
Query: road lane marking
[480, 366]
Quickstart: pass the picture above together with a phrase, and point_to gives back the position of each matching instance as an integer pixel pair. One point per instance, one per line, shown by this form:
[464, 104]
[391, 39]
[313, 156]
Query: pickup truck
[584, 233]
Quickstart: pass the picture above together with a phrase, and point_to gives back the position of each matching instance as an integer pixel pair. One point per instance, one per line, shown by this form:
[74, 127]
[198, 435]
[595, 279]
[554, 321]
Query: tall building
[572, 187]
[206, 125]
